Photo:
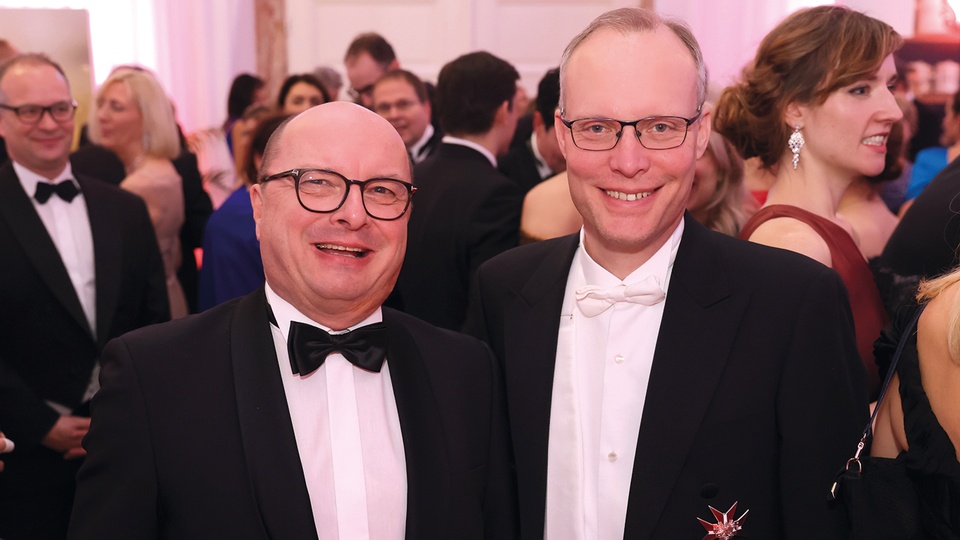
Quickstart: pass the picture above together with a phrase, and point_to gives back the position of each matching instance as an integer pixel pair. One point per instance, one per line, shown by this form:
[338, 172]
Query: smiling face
[397, 101]
[336, 268]
[631, 198]
[847, 135]
[302, 96]
[119, 121]
[44, 147]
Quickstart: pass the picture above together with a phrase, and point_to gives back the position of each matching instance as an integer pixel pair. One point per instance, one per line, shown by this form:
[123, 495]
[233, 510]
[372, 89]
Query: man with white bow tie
[655, 369]
[305, 409]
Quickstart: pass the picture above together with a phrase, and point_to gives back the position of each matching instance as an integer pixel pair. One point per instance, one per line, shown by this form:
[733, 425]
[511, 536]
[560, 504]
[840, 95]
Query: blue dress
[232, 266]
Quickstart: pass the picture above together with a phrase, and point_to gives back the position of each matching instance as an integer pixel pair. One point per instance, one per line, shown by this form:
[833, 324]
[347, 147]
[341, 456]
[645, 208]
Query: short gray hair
[632, 19]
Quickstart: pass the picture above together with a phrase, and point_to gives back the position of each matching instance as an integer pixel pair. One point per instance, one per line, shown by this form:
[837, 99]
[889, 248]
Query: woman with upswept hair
[816, 105]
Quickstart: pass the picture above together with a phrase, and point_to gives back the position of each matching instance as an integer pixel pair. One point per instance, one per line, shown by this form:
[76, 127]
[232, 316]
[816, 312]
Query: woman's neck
[811, 186]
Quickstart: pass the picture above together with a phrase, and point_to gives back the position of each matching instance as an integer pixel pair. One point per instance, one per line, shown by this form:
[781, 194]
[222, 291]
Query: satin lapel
[531, 325]
[265, 426]
[29, 231]
[699, 324]
[105, 230]
[428, 469]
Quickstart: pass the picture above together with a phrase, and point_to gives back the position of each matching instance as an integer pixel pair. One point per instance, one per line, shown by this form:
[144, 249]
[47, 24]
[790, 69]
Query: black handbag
[878, 495]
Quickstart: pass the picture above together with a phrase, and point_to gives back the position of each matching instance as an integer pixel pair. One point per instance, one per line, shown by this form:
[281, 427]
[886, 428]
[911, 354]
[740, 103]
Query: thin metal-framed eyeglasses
[30, 113]
[323, 191]
[355, 93]
[653, 132]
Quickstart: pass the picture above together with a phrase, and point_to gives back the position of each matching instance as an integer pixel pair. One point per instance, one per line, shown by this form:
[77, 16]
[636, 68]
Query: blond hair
[160, 136]
[930, 289]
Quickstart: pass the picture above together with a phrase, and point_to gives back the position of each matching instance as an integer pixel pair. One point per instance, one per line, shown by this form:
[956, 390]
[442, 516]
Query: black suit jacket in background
[463, 213]
[48, 350]
[756, 395]
[520, 165]
[100, 163]
[192, 438]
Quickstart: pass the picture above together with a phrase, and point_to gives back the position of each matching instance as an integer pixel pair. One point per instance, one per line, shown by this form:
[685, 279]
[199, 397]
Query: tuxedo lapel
[531, 325]
[105, 230]
[428, 469]
[699, 324]
[28, 229]
[265, 426]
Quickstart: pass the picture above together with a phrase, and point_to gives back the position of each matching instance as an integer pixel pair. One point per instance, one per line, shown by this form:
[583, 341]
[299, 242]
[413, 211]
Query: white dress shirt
[68, 225]
[348, 435]
[600, 383]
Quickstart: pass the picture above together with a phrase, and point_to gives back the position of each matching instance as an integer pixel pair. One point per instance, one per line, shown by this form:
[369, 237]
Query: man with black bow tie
[305, 409]
[80, 265]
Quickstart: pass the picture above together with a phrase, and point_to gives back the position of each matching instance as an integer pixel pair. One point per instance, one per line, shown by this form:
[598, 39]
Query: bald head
[353, 129]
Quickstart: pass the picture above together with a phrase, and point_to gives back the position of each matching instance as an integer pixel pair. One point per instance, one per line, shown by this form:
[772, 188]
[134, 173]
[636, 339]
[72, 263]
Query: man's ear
[703, 129]
[256, 200]
[561, 132]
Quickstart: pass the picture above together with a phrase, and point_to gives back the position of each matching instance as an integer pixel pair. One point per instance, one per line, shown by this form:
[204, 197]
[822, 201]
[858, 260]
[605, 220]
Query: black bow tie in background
[308, 346]
[66, 190]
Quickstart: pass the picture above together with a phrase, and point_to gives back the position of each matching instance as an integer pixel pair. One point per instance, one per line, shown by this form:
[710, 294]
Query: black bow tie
[308, 346]
[66, 190]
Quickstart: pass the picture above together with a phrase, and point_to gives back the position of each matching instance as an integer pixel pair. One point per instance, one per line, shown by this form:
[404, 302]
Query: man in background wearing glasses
[80, 265]
[653, 367]
[305, 409]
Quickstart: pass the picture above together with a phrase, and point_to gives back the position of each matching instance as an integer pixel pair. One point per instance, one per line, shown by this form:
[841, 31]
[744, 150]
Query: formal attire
[427, 145]
[931, 460]
[209, 449]
[159, 185]
[524, 165]
[869, 314]
[929, 162]
[754, 395]
[232, 266]
[73, 276]
[925, 242]
[463, 213]
[102, 164]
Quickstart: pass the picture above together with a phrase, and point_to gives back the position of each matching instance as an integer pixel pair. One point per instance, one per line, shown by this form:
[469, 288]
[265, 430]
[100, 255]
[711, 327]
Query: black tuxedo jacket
[464, 212]
[48, 347]
[48, 350]
[520, 165]
[191, 435]
[756, 394]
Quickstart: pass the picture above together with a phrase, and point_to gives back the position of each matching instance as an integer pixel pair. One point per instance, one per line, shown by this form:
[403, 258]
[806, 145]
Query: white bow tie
[593, 300]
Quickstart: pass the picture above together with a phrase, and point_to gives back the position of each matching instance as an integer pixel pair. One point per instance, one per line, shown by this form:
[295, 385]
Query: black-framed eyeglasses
[653, 132]
[29, 113]
[322, 191]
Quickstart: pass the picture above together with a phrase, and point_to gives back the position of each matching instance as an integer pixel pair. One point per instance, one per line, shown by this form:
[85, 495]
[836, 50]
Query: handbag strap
[904, 337]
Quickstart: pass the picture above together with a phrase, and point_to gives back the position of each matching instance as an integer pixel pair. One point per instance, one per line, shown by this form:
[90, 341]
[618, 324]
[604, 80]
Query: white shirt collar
[542, 168]
[284, 312]
[30, 179]
[424, 139]
[660, 265]
[470, 144]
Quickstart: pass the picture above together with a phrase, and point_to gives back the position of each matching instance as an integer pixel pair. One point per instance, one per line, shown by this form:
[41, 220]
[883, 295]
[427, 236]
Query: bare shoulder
[548, 210]
[793, 235]
[939, 369]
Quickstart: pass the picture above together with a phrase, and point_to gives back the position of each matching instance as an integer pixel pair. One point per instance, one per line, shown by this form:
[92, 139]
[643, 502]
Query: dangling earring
[796, 142]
